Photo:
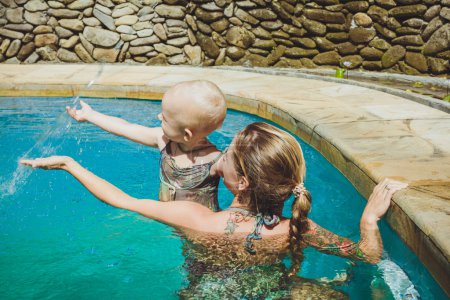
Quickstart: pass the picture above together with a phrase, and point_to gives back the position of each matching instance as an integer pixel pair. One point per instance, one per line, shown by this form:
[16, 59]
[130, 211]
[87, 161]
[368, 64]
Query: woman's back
[223, 242]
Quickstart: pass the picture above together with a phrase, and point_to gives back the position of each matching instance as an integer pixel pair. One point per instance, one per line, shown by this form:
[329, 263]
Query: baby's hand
[82, 114]
[47, 163]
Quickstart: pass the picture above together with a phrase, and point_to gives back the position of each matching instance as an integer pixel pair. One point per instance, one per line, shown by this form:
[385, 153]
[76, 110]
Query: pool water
[59, 242]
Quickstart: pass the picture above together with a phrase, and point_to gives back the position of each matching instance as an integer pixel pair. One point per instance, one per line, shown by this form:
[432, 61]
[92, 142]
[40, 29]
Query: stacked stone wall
[407, 36]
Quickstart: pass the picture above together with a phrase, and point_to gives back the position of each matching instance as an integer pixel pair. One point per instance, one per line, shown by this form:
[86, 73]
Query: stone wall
[409, 36]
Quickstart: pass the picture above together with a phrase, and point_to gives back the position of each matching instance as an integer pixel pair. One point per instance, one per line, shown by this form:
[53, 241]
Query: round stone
[407, 11]
[13, 48]
[207, 16]
[361, 35]
[263, 14]
[47, 53]
[72, 41]
[83, 54]
[370, 53]
[36, 5]
[362, 19]
[81, 4]
[106, 55]
[14, 15]
[327, 58]
[36, 18]
[25, 51]
[72, 24]
[240, 37]
[392, 56]
[167, 49]
[168, 11]
[126, 20]
[43, 29]
[41, 40]
[101, 37]
[67, 56]
[315, 28]
[439, 41]
[417, 61]
[351, 61]
[235, 53]
[11, 34]
[208, 45]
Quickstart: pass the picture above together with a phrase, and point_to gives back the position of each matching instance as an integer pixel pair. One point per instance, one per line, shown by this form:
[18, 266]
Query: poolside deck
[367, 134]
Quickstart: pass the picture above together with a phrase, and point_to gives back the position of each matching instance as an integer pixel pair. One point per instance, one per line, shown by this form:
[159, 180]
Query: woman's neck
[237, 204]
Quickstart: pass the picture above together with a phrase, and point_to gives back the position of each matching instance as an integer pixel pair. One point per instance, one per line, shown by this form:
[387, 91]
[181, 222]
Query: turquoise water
[59, 242]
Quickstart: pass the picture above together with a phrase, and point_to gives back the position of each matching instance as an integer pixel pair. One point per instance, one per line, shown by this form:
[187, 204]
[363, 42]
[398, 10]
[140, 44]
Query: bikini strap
[260, 221]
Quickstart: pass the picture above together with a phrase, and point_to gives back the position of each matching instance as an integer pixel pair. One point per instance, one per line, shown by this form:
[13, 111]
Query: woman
[262, 168]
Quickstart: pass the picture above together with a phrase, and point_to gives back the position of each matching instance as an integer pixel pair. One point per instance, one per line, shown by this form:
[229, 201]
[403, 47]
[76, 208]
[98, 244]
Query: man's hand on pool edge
[48, 163]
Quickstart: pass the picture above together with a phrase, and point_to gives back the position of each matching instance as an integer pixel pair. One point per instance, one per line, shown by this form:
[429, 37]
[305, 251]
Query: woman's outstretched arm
[177, 214]
[370, 246]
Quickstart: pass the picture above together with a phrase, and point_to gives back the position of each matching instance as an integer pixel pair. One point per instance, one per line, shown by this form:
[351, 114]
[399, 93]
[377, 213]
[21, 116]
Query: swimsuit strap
[260, 220]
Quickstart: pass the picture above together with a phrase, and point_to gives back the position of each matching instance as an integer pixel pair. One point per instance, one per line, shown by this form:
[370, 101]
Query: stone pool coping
[367, 134]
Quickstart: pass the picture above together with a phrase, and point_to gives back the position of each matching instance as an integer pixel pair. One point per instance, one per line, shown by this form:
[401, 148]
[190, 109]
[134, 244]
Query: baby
[191, 110]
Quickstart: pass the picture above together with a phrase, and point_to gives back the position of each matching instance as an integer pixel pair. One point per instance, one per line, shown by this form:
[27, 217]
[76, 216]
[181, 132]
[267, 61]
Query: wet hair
[273, 164]
[209, 100]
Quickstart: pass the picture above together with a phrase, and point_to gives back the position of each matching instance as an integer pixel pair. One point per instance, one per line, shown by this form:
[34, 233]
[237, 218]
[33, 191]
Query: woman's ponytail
[298, 225]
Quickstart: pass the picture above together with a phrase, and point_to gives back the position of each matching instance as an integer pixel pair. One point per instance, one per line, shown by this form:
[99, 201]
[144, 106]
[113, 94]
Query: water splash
[41, 148]
[397, 280]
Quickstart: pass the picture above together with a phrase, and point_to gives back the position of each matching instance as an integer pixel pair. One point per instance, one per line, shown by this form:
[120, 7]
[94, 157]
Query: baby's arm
[152, 137]
[370, 246]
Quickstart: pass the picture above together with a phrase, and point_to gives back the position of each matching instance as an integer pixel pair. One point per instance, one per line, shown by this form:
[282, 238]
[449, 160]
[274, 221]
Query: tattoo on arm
[328, 242]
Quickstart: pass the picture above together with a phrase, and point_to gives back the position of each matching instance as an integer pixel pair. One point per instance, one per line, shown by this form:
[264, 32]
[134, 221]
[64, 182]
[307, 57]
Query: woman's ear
[187, 135]
[243, 183]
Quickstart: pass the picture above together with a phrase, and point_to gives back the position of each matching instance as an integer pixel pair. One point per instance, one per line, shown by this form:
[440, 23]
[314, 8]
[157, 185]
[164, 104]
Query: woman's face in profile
[225, 168]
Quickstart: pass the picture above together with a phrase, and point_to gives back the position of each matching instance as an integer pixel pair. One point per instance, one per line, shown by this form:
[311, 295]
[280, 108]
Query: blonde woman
[262, 167]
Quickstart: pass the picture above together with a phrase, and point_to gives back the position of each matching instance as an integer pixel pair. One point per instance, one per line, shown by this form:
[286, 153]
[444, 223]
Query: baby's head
[191, 110]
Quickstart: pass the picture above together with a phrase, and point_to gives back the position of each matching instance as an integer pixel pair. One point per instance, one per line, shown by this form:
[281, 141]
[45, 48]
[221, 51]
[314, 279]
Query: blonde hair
[208, 99]
[273, 164]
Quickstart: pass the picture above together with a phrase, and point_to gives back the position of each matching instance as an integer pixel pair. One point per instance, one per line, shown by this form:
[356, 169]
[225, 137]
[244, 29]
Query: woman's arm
[177, 214]
[328, 242]
[370, 246]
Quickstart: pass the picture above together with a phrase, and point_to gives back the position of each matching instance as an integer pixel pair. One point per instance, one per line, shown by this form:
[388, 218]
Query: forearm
[137, 133]
[99, 187]
[368, 249]
[111, 124]
[370, 243]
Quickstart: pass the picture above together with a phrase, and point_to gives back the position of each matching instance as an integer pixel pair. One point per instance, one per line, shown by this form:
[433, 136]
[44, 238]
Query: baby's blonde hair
[207, 98]
[273, 164]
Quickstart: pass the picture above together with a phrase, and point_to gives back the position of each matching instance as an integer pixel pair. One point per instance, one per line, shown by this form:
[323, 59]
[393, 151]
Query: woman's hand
[82, 114]
[48, 163]
[380, 199]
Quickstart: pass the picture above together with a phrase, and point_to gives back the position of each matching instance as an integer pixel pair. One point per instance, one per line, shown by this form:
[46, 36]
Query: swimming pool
[56, 241]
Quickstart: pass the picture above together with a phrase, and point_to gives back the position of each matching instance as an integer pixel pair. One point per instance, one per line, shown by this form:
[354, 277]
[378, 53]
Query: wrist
[69, 163]
[369, 221]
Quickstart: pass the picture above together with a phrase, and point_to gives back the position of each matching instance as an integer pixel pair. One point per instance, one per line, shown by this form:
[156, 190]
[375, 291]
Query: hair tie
[299, 189]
